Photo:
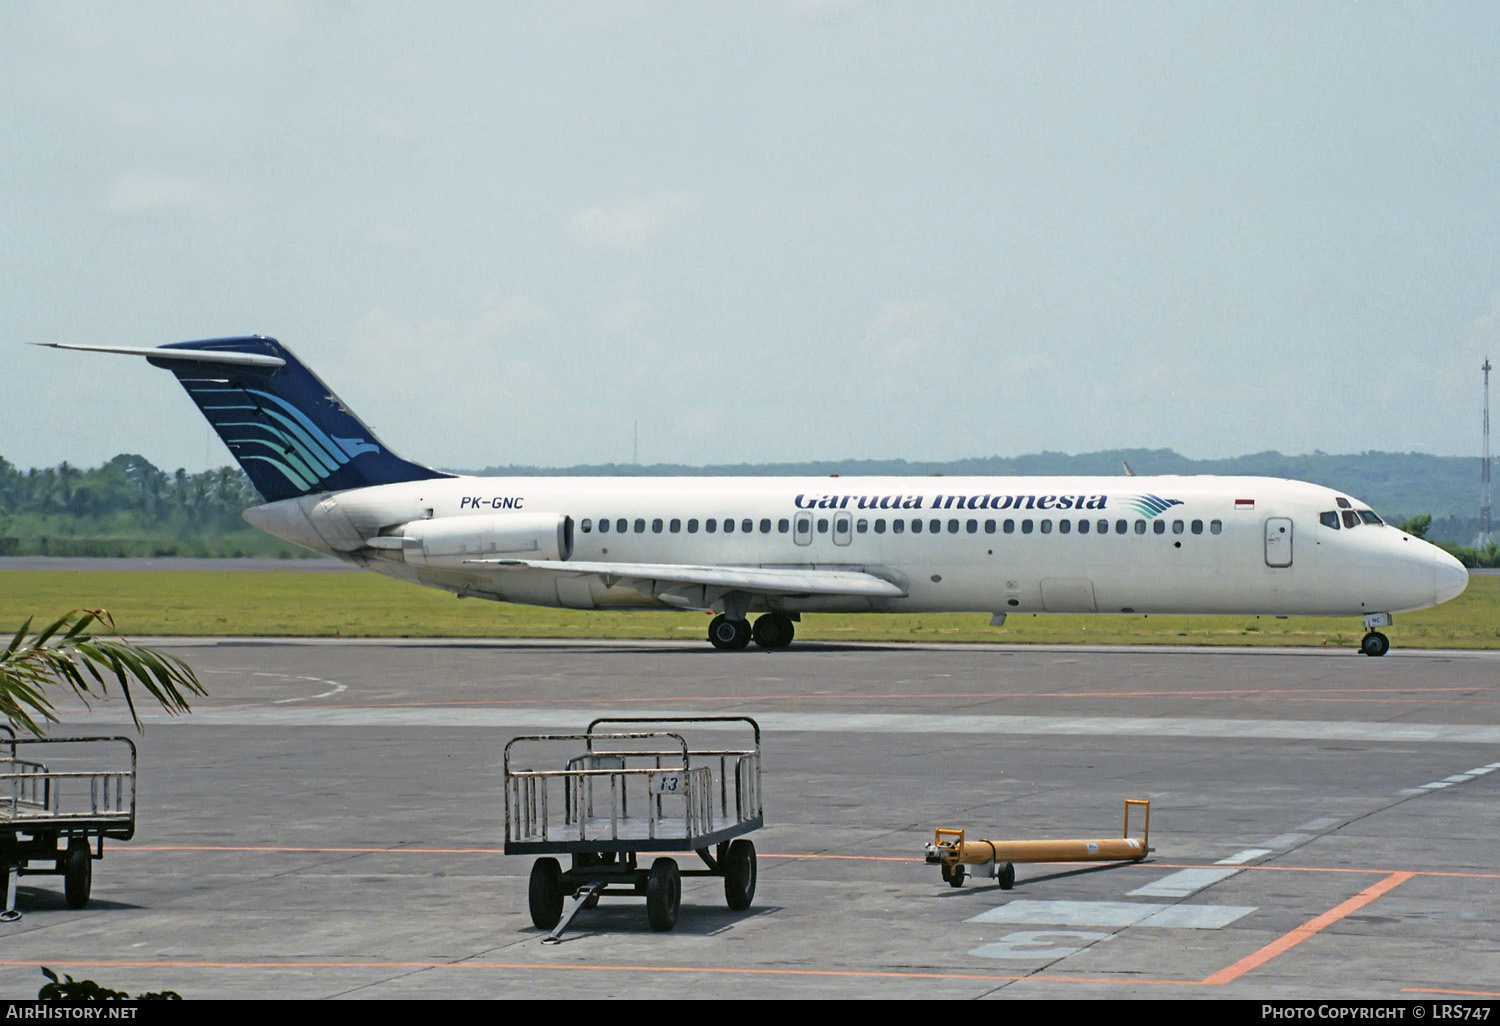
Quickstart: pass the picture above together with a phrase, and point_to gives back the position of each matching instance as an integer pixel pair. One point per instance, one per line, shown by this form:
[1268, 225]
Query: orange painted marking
[1285, 943]
[1455, 993]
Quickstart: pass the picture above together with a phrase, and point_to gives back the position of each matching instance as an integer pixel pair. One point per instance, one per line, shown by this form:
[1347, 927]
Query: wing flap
[759, 580]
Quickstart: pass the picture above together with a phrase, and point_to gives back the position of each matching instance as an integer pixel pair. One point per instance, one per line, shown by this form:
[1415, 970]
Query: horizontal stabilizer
[758, 580]
[180, 355]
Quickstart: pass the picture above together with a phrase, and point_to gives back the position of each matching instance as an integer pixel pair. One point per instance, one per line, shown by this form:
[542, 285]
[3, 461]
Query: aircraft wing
[754, 579]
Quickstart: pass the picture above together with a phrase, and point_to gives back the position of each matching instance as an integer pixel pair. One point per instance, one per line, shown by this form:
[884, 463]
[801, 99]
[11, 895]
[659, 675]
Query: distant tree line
[129, 507]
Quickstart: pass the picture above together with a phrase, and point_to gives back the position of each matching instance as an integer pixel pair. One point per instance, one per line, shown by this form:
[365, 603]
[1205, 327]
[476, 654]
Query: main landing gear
[1375, 643]
[772, 630]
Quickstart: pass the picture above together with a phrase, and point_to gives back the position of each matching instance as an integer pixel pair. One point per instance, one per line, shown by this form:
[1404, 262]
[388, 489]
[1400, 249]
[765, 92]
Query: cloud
[150, 192]
[627, 227]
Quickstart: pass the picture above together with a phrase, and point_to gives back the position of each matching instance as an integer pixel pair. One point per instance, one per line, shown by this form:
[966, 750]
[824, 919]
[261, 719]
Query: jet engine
[448, 542]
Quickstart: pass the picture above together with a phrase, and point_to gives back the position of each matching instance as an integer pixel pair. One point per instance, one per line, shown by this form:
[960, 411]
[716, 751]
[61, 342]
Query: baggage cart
[59, 799]
[627, 787]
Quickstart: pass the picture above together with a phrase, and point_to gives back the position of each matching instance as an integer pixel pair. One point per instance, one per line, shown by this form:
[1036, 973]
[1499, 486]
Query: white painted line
[1283, 841]
[839, 723]
[1114, 914]
[1457, 778]
[1240, 858]
[1411, 790]
[1197, 917]
[1317, 826]
[1435, 785]
[1183, 882]
[1481, 771]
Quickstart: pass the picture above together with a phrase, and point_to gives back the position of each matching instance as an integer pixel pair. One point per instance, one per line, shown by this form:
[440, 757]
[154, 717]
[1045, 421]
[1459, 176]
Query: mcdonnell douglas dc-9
[781, 547]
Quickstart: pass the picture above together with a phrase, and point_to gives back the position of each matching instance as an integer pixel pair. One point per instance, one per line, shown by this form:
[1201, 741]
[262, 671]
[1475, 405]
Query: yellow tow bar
[953, 853]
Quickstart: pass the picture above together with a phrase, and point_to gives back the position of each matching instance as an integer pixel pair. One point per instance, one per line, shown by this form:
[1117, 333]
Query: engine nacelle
[448, 542]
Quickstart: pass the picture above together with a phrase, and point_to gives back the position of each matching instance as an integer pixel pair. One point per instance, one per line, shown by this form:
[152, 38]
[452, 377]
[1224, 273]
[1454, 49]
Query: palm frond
[61, 654]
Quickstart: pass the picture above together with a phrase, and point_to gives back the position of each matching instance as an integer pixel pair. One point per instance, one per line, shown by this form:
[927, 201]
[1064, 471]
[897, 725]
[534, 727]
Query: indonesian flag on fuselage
[1244, 503]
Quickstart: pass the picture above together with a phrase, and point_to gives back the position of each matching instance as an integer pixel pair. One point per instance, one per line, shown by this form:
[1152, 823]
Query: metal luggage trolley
[636, 786]
[59, 799]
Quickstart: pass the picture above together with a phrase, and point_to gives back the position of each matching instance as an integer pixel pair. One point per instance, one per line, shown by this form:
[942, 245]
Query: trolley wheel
[739, 874]
[545, 893]
[78, 873]
[954, 875]
[663, 894]
[1007, 877]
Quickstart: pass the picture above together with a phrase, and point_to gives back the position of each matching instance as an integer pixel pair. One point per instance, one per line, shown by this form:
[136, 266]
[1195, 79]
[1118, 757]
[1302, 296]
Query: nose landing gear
[1375, 643]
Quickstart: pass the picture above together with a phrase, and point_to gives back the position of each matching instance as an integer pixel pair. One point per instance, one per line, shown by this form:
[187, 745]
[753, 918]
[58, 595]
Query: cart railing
[739, 765]
[34, 794]
[624, 786]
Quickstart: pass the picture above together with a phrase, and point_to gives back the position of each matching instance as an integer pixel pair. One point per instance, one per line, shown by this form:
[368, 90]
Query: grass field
[292, 604]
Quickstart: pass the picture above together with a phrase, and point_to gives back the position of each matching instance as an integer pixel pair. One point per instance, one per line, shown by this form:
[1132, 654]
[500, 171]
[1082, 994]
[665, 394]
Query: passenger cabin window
[587, 525]
[711, 525]
[783, 525]
[1121, 526]
[747, 526]
[1178, 526]
[728, 525]
[1159, 526]
[1140, 527]
[953, 527]
[989, 527]
[916, 526]
[1197, 527]
[675, 526]
[1083, 527]
[972, 527]
[1026, 527]
[1010, 527]
[1046, 526]
[862, 526]
[765, 526]
[1329, 519]
[640, 525]
[935, 526]
[897, 526]
[656, 526]
[880, 526]
[1064, 526]
[621, 526]
[1216, 527]
[693, 526]
[603, 526]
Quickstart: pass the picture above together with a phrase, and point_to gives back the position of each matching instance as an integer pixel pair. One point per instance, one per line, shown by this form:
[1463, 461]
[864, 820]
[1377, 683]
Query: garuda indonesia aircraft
[781, 547]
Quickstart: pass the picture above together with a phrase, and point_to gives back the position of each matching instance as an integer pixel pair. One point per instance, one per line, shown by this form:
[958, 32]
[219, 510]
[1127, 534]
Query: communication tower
[1484, 473]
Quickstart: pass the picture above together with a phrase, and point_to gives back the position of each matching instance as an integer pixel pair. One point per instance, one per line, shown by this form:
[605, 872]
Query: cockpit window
[1369, 517]
[1351, 518]
[1329, 519]
[1342, 503]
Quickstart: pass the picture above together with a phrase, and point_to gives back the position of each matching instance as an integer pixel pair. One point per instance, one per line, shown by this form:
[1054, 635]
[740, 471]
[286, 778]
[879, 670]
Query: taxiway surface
[328, 823]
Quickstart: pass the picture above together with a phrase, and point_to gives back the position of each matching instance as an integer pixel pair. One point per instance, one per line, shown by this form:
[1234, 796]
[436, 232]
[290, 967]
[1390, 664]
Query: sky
[782, 230]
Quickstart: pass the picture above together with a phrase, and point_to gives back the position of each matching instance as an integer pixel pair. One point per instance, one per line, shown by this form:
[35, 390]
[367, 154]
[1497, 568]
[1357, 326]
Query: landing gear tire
[954, 875]
[663, 894]
[773, 631]
[78, 873]
[728, 635]
[545, 893]
[1007, 876]
[739, 874]
[1375, 644]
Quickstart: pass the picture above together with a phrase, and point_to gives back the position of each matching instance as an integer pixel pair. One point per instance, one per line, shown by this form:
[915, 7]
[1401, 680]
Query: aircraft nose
[1449, 578]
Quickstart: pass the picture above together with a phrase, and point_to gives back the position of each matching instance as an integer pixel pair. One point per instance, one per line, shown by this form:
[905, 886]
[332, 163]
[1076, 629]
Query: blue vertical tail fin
[282, 424]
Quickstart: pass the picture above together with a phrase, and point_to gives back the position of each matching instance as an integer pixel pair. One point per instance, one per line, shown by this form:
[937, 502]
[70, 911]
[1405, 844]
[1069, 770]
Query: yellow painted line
[1308, 929]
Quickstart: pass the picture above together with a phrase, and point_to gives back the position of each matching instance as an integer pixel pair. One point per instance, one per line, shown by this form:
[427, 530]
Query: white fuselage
[1217, 545]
